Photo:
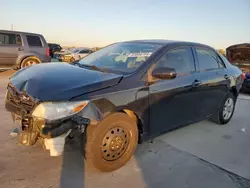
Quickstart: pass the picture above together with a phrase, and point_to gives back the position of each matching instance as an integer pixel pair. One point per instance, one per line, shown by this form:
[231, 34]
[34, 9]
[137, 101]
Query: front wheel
[110, 144]
[226, 110]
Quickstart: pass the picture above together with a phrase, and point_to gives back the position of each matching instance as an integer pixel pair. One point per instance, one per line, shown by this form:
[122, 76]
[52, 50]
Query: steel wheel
[110, 144]
[228, 108]
[114, 143]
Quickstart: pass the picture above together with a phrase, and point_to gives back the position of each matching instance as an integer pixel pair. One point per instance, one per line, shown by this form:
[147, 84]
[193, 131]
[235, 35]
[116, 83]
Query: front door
[174, 102]
[10, 46]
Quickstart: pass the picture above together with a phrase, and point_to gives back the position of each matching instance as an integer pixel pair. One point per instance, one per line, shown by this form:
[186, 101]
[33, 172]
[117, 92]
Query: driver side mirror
[164, 73]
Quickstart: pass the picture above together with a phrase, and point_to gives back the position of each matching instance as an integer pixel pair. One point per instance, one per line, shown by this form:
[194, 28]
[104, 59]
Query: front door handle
[196, 83]
[226, 77]
[20, 49]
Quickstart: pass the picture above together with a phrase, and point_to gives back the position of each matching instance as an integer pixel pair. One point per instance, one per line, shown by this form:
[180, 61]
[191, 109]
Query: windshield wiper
[93, 67]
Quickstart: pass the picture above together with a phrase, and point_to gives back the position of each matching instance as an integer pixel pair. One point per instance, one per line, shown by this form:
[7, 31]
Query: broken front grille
[20, 99]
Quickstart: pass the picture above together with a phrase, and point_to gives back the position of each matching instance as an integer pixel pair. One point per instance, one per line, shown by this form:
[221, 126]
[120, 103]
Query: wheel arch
[138, 121]
[21, 58]
[234, 91]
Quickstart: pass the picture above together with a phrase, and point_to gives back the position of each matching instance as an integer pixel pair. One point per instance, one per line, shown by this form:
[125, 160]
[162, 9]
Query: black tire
[95, 148]
[218, 116]
[29, 61]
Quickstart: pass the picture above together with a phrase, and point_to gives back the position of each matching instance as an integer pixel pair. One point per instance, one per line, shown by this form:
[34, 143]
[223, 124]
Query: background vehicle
[54, 48]
[123, 94]
[21, 49]
[58, 55]
[239, 55]
[76, 54]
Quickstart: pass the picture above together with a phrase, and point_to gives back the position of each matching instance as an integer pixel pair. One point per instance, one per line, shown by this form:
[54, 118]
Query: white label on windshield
[140, 54]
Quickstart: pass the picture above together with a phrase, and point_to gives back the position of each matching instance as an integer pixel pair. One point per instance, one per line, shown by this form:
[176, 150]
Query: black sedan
[122, 94]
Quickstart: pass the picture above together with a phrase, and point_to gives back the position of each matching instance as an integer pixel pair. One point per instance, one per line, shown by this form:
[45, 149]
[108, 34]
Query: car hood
[60, 81]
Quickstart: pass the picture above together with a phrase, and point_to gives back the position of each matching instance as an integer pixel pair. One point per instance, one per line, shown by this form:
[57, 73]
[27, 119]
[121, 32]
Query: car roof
[19, 32]
[53, 43]
[167, 42]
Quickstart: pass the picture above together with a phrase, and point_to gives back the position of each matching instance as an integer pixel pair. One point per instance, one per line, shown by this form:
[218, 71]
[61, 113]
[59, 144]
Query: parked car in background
[123, 94]
[76, 54]
[239, 55]
[54, 48]
[21, 49]
[58, 55]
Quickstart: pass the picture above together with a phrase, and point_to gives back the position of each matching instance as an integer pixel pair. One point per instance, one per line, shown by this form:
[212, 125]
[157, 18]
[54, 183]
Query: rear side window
[180, 59]
[34, 40]
[7, 38]
[208, 59]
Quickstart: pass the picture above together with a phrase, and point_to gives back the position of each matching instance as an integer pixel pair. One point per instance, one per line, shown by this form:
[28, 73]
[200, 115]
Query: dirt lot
[200, 155]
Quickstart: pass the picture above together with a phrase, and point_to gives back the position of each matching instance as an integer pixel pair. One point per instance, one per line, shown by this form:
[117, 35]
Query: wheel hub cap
[114, 143]
[29, 63]
[228, 108]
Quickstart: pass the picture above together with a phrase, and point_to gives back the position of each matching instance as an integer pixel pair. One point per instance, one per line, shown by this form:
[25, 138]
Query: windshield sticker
[140, 54]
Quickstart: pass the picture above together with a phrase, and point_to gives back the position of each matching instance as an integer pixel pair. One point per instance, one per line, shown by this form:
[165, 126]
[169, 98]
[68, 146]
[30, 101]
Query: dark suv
[20, 49]
[54, 48]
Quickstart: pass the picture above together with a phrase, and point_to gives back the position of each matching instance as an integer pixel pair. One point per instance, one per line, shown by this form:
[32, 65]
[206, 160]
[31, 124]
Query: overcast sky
[218, 23]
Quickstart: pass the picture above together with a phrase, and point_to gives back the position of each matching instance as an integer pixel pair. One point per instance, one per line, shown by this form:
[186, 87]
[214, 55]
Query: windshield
[122, 57]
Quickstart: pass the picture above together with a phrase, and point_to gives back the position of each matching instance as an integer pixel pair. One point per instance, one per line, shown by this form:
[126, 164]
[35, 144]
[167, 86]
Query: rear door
[10, 47]
[174, 102]
[214, 80]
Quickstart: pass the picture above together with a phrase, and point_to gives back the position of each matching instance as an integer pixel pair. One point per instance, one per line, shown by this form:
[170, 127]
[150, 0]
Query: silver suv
[20, 49]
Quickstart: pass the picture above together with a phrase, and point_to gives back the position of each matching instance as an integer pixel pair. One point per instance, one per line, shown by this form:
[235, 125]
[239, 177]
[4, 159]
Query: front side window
[13, 39]
[122, 57]
[208, 59]
[34, 40]
[180, 59]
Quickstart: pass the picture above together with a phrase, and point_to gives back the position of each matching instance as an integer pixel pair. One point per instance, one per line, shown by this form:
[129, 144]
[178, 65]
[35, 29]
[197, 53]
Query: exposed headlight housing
[58, 110]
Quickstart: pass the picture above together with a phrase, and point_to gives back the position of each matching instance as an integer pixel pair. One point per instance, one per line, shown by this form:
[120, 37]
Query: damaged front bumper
[51, 132]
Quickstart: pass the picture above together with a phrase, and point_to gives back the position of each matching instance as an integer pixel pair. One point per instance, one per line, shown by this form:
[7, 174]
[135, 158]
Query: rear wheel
[226, 110]
[29, 61]
[110, 144]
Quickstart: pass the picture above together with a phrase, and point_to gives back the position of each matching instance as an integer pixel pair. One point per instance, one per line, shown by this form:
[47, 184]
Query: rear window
[34, 40]
[7, 38]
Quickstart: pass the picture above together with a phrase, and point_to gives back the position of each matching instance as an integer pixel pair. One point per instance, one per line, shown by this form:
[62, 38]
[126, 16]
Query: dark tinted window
[208, 59]
[54, 45]
[180, 59]
[84, 51]
[51, 45]
[6, 38]
[34, 40]
[58, 46]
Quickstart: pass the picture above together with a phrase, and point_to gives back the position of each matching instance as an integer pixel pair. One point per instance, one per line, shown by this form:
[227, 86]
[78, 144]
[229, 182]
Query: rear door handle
[20, 49]
[196, 83]
[226, 77]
